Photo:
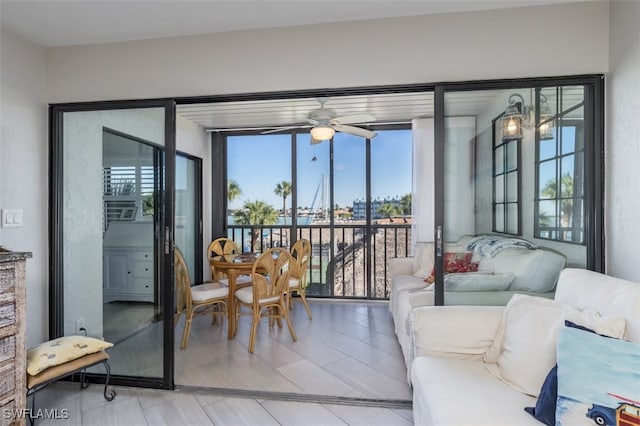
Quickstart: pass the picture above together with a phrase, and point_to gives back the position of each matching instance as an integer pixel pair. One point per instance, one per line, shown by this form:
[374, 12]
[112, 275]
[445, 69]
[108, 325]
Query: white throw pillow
[525, 346]
[423, 259]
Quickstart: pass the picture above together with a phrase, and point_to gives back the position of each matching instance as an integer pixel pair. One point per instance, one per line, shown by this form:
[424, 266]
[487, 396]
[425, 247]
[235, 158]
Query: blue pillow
[545, 409]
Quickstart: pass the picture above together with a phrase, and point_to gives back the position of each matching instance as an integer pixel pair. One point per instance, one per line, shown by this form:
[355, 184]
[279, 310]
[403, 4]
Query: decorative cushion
[525, 346]
[478, 281]
[61, 350]
[545, 409]
[459, 262]
[603, 379]
[245, 295]
[423, 259]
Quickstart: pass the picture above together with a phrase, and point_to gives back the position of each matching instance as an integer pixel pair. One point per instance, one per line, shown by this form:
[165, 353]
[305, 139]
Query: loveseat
[505, 266]
[482, 365]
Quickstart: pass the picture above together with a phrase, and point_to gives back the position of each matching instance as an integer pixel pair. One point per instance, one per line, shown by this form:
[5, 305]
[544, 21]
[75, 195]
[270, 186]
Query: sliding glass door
[112, 232]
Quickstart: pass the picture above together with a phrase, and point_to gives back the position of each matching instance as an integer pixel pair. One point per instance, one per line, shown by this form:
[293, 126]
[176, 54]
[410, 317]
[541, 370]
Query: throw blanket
[490, 245]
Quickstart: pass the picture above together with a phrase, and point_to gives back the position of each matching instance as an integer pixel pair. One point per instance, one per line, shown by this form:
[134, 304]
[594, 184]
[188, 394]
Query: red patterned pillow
[455, 262]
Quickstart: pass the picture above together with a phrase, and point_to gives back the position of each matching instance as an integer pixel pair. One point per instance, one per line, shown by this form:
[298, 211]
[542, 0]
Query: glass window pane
[512, 155]
[568, 139]
[547, 218]
[498, 214]
[512, 218]
[499, 159]
[263, 189]
[313, 180]
[512, 186]
[499, 188]
[548, 187]
[547, 149]
[391, 173]
[566, 173]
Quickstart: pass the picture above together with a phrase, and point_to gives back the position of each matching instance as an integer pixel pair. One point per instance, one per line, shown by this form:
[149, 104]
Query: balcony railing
[347, 260]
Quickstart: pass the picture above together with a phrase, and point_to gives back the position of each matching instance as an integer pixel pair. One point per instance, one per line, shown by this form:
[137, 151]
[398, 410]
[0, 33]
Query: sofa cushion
[608, 295]
[450, 391]
[526, 339]
[423, 259]
[534, 270]
[596, 382]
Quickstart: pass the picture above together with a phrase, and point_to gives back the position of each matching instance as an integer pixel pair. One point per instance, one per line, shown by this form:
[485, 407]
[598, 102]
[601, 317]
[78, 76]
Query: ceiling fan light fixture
[322, 132]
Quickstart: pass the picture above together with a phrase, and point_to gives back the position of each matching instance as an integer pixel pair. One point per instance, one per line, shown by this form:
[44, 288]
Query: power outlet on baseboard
[80, 327]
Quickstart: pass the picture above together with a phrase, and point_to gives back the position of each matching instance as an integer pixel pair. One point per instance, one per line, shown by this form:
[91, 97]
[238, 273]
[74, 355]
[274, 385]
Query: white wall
[192, 139]
[569, 39]
[23, 168]
[623, 143]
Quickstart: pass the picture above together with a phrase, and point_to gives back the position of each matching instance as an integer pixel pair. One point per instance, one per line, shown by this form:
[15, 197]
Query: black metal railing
[347, 260]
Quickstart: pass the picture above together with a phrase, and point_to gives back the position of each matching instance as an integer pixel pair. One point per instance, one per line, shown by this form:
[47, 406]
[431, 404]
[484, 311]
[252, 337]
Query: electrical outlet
[80, 326]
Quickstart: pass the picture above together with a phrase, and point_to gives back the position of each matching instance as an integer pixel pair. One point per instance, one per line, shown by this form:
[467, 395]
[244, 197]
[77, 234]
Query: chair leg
[304, 301]
[285, 313]
[252, 334]
[187, 330]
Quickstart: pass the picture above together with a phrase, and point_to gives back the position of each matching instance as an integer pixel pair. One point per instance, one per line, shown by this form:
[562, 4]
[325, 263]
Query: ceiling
[52, 23]
[386, 108]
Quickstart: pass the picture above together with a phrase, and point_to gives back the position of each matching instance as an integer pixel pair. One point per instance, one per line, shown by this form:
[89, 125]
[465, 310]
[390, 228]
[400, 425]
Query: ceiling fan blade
[357, 131]
[354, 118]
[280, 129]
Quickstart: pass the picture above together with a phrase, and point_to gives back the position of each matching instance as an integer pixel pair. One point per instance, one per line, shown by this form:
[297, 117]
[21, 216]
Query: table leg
[231, 304]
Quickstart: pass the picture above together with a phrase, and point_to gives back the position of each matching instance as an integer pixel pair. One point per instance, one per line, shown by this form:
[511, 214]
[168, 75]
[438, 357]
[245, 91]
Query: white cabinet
[128, 274]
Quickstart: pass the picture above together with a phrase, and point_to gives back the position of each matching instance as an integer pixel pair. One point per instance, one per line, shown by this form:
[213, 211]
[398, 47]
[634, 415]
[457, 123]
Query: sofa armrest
[454, 331]
[400, 266]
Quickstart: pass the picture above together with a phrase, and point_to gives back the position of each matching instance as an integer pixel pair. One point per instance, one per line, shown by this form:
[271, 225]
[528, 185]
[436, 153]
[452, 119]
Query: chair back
[270, 274]
[182, 282]
[221, 246]
[301, 254]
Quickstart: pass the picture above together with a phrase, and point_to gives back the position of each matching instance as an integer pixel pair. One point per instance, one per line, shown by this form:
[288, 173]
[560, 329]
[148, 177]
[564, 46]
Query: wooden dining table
[232, 265]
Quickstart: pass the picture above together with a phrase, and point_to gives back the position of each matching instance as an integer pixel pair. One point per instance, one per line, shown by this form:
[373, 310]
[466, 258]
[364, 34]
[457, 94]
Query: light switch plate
[11, 218]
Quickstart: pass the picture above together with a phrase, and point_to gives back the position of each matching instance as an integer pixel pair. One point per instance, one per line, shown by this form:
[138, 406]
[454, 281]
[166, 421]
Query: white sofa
[528, 271]
[452, 385]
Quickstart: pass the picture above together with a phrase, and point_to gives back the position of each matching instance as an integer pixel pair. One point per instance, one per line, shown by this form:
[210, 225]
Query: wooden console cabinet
[13, 355]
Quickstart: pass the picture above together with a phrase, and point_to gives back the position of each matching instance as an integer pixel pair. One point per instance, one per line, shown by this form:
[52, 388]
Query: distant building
[360, 207]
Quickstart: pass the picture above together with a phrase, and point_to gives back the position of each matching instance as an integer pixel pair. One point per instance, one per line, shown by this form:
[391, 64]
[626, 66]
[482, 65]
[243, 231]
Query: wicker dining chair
[206, 298]
[219, 247]
[265, 298]
[301, 254]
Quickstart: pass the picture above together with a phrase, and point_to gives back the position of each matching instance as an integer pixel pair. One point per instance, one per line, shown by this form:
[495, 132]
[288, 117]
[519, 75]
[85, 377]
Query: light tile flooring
[345, 368]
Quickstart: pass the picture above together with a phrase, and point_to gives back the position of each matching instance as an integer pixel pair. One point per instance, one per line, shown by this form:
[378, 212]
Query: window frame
[495, 123]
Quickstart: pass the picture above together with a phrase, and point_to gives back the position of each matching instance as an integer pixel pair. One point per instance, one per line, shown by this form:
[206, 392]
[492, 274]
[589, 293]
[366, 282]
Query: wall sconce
[515, 117]
[547, 126]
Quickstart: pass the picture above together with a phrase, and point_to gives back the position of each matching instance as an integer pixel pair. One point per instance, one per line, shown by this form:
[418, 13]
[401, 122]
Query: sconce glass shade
[322, 133]
[512, 120]
[546, 129]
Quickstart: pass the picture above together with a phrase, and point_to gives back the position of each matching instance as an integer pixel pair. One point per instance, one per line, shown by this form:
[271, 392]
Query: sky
[258, 162]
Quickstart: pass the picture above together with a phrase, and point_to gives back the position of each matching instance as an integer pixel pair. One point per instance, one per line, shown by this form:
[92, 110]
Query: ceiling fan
[325, 122]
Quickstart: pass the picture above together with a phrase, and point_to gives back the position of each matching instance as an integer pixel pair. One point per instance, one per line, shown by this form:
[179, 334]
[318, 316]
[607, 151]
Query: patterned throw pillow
[61, 350]
[597, 379]
[455, 262]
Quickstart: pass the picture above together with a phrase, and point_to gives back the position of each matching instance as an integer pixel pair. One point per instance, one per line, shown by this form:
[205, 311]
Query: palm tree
[233, 190]
[405, 204]
[389, 210]
[256, 213]
[283, 189]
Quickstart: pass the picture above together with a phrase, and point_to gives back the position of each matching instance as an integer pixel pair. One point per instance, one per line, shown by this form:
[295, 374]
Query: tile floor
[345, 361]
